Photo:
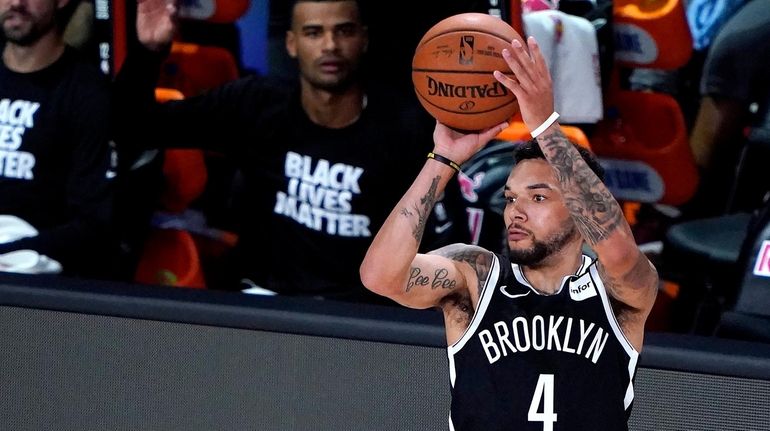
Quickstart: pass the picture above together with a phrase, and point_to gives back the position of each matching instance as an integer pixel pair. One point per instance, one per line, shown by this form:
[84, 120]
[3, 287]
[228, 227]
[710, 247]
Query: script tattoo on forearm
[422, 209]
[591, 205]
[439, 279]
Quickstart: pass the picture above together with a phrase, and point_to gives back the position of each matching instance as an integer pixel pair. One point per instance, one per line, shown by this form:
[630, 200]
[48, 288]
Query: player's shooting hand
[532, 86]
[155, 23]
[458, 146]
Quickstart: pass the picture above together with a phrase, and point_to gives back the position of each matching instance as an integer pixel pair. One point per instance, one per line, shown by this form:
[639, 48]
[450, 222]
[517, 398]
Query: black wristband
[444, 160]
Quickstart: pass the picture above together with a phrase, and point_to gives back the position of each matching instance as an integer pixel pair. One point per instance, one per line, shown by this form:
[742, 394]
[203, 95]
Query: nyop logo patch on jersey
[582, 288]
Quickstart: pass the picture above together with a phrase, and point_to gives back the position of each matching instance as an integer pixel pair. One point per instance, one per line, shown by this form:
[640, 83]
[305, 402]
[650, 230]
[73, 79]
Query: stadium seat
[215, 11]
[170, 255]
[185, 176]
[644, 147]
[749, 319]
[170, 258]
[192, 68]
[652, 34]
[709, 255]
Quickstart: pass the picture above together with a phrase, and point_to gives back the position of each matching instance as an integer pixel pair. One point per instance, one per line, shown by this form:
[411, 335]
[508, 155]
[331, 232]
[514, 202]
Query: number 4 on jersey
[544, 391]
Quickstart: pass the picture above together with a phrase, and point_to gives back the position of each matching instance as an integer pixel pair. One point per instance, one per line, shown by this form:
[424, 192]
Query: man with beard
[318, 157]
[550, 339]
[55, 158]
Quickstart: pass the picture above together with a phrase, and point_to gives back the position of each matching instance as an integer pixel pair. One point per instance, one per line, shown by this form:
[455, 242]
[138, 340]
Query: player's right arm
[393, 268]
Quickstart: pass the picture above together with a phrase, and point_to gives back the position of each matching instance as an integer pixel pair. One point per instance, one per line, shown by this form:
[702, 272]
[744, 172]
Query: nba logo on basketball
[762, 267]
[466, 49]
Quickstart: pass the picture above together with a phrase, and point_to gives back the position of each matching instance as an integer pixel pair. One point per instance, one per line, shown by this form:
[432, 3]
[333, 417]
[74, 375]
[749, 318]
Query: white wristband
[546, 124]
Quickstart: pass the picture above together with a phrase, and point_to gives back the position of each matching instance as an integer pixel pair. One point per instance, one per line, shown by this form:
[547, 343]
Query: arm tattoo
[423, 209]
[641, 276]
[478, 258]
[592, 206]
[438, 280]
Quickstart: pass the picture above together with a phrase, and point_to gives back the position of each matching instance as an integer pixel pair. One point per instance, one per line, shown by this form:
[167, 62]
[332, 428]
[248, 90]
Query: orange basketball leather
[452, 71]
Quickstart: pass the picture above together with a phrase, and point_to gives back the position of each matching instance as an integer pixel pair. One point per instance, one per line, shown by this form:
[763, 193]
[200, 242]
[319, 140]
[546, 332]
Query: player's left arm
[628, 275]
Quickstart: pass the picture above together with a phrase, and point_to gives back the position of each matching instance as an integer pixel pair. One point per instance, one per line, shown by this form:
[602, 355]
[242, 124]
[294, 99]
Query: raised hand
[532, 86]
[155, 23]
[460, 147]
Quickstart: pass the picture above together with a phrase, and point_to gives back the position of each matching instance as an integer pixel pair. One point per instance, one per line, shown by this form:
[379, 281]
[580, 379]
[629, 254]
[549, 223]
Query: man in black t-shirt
[55, 158]
[321, 159]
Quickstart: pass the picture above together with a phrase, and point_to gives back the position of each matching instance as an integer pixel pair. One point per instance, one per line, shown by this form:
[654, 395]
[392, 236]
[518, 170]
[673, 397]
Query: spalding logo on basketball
[452, 71]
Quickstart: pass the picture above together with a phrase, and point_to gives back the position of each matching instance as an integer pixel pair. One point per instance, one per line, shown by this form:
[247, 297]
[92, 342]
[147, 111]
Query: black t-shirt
[55, 158]
[530, 361]
[316, 196]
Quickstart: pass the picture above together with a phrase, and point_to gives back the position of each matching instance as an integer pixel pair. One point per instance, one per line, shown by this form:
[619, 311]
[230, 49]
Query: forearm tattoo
[422, 209]
[641, 276]
[592, 206]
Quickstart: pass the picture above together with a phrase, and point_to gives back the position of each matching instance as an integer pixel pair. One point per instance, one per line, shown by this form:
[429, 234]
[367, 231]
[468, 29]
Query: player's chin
[520, 247]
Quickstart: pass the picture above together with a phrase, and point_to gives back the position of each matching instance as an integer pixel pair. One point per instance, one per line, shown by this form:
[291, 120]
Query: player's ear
[291, 44]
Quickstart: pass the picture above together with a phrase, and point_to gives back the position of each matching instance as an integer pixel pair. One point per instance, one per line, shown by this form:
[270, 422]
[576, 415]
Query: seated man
[55, 158]
[319, 157]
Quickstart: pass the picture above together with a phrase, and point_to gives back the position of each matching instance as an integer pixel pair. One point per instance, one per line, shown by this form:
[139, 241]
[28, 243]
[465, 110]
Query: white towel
[571, 51]
[13, 228]
[28, 262]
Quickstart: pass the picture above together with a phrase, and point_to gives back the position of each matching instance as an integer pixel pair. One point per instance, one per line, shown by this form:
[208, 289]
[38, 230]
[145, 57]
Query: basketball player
[547, 338]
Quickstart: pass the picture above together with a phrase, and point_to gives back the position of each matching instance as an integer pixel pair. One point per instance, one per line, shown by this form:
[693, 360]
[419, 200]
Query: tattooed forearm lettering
[592, 206]
[424, 208]
[440, 279]
[406, 213]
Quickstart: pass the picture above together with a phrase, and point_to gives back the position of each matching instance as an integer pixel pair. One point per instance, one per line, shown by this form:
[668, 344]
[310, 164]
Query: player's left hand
[458, 146]
[532, 87]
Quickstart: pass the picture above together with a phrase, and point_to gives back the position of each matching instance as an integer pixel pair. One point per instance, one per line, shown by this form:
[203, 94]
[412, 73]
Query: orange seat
[163, 94]
[651, 33]
[219, 11]
[647, 131]
[192, 68]
[517, 131]
[170, 258]
[185, 176]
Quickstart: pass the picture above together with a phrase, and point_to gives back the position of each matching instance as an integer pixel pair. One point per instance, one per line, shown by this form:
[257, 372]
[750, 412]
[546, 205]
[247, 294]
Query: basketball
[452, 71]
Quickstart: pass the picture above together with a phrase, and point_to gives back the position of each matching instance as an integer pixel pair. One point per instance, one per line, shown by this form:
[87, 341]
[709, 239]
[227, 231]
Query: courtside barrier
[80, 355]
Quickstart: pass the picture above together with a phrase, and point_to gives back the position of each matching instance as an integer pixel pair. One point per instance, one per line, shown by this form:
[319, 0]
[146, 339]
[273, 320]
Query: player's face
[328, 40]
[538, 223]
[26, 21]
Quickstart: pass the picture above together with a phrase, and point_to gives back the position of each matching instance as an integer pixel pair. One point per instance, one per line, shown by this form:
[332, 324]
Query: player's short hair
[531, 150]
